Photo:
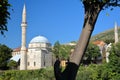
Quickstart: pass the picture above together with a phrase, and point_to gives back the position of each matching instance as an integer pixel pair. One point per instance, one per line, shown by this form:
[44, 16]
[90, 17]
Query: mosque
[37, 55]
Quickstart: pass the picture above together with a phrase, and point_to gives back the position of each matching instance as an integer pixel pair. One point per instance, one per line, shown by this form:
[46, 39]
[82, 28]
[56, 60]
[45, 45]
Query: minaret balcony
[23, 24]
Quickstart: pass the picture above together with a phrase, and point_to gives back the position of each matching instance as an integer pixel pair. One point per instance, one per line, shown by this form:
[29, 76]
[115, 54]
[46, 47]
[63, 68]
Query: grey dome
[39, 39]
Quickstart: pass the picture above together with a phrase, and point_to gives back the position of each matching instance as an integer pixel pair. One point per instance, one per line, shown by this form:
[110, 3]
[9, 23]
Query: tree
[65, 51]
[5, 55]
[12, 64]
[62, 51]
[4, 15]
[56, 49]
[92, 9]
[92, 53]
[111, 70]
[109, 40]
[114, 58]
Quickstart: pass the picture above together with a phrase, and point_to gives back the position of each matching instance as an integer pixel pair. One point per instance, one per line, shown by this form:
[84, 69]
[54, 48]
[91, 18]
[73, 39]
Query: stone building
[38, 53]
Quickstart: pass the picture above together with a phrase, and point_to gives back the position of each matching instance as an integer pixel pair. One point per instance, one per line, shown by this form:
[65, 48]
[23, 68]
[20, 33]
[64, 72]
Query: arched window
[28, 63]
[34, 63]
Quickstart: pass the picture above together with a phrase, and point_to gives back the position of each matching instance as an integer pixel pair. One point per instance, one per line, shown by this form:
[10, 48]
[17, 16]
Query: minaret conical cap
[115, 24]
[24, 14]
[116, 27]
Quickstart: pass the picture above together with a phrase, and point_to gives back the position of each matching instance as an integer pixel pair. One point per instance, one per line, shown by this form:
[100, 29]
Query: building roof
[15, 58]
[99, 43]
[17, 49]
[39, 39]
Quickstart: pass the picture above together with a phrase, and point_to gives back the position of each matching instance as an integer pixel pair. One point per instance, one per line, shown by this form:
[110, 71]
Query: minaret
[23, 60]
[116, 32]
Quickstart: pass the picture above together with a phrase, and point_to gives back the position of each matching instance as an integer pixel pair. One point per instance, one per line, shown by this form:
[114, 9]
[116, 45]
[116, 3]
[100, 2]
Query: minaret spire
[116, 32]
[24, 14]
[23, 61]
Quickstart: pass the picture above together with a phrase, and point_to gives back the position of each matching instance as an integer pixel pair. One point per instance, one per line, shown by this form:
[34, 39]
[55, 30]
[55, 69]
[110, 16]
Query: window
[28, 63]
[34, 63]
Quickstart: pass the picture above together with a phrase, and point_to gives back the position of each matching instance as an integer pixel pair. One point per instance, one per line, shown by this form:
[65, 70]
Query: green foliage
[4, 15]
[115, 58]
[42, 74]
[92, 52]
[90, 72]
[12, 64]
[56, 48]
[62, 51]
[107, 71]
[65, 51]
[105, 3]
[5, 55]
[97, 72]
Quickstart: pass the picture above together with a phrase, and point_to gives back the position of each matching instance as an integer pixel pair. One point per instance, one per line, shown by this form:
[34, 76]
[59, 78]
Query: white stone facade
[39, 53]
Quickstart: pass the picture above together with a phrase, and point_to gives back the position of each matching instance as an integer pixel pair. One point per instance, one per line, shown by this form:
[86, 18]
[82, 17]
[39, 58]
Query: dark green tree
[109, 40]
[62, 51]
[92, 53]
[4, 15]
[111, 70]
[5, 55]
[12, 64]
[114, 58]
[56, 49]
[65, 51]
[92, 9]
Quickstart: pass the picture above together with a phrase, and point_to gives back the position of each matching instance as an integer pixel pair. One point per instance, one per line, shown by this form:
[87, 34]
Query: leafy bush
[42, 74]
[90, 72]
[97, 72]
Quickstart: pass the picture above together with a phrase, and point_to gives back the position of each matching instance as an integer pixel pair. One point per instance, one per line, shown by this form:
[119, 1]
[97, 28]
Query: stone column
[23, 60]
[116, 33]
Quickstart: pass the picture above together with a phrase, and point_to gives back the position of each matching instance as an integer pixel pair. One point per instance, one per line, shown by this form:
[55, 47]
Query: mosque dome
[39, 39]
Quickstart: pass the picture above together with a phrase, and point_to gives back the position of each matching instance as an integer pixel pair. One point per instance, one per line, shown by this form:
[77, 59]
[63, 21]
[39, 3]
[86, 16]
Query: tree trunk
[91, 15]
[83, 42]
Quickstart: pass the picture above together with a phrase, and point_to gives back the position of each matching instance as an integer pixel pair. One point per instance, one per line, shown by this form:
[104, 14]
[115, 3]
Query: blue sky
[57, 20]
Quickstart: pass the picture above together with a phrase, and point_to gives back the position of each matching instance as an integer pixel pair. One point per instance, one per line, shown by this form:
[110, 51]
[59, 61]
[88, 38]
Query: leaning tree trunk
[91, 15]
